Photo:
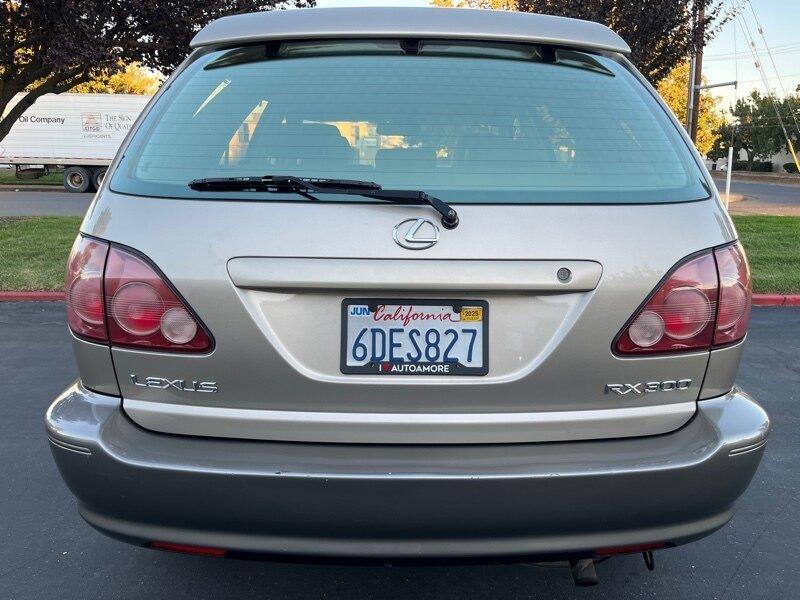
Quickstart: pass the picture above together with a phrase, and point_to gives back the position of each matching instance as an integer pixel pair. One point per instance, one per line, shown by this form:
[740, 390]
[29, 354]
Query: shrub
[760, 166]
[790, 167]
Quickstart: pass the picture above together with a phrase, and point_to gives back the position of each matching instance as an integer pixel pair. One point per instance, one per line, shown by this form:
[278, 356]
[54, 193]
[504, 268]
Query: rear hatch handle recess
[308, 186]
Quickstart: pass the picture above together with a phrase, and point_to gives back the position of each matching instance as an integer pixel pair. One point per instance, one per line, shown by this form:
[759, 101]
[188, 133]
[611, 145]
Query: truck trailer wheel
[76, 179]
[97, 176]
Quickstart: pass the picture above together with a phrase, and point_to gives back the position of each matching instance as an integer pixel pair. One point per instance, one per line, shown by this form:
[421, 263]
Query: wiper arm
[449, 215]
[308, 186]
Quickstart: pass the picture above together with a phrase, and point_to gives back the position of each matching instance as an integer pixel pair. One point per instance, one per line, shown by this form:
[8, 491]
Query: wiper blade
[307, 186]
[278, 183]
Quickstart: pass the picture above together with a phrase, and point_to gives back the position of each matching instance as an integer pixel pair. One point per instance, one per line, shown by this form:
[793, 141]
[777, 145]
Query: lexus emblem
[416, 234]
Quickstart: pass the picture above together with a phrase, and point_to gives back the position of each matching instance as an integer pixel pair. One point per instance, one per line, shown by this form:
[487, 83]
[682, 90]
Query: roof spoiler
[416, 22]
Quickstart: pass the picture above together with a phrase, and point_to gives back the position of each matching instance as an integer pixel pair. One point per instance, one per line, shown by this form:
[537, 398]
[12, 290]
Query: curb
[782, 178]
[9, 187]
[758, 299]
[776, 299]
[737, 198]
[31, 296]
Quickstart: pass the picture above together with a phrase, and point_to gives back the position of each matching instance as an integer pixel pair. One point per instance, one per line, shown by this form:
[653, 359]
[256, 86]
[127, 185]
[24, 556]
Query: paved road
[47, 551]
[772, 193]
[23, 203]
[16, 204]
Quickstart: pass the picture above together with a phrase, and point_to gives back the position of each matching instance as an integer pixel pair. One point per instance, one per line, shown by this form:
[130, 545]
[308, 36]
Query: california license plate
[415, 337]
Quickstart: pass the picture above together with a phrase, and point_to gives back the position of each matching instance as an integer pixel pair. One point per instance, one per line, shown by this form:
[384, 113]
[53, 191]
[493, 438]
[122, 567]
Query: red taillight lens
[735, 295]
[679, 316]
[137, 308]
[144, 311]
[84, 288]
[705, 302]
[189, 549]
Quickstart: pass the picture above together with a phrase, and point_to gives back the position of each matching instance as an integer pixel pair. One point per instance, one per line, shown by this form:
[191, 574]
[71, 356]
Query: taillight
[114, 295]
[144, 311]
[735, 295]
[704, 302]
[84, 288]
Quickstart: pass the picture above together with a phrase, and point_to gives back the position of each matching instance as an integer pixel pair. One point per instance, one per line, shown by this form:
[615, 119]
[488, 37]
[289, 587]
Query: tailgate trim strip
[413, 274]
[408, 428]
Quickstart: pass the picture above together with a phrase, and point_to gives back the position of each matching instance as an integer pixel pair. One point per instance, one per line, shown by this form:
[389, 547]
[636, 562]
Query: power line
[756, 58]
[778, 48]
[771, 78]
[765, 118]
[791, 49]
[772, 60]
[745, 127]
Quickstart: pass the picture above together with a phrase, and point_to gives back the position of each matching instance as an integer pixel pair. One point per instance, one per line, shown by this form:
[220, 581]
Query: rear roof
[381, 22]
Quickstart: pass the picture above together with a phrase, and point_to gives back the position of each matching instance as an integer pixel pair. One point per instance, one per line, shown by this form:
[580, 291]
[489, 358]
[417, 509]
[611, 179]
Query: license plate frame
[455, 370]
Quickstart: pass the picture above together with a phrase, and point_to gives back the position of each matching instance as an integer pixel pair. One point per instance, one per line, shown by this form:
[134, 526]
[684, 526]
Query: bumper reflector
[631, 549]
[188, 549]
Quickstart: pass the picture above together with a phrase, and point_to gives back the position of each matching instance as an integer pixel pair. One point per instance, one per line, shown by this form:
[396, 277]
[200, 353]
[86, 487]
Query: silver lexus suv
[407, 283]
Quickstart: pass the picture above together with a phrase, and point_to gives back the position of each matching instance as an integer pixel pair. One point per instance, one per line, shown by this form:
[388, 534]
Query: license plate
[415, 337]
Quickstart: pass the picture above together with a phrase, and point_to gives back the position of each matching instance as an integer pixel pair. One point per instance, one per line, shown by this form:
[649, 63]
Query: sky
[727, 56]
[779, 20]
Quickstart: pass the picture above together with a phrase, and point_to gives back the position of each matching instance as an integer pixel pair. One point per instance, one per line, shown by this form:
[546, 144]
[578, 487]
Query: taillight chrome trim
[167, 282]
[656, 288]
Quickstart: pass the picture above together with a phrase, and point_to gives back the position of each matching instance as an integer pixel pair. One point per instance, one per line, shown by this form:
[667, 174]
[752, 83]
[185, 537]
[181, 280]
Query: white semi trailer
[76, 134]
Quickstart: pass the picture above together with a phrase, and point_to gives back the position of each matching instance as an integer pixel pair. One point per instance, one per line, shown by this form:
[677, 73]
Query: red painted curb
[758, 299]
[776, 299]
[31, 296]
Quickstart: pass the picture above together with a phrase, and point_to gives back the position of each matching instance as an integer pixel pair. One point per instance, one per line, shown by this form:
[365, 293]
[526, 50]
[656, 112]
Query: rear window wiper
[308, 186]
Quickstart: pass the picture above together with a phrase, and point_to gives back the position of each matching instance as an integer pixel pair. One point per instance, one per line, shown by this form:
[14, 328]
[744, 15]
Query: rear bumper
[405, 501]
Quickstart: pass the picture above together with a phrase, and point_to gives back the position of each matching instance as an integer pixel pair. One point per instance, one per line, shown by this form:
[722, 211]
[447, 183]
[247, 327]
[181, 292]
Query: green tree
[51, 46]
[758, 130]
[725, 134]
[790, 110]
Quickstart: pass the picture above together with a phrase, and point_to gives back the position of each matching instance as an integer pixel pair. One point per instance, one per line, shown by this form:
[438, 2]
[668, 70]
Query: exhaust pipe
[583, 572]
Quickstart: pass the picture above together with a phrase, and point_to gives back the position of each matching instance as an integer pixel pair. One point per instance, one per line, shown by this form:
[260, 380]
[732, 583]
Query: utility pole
[690, 97]
[698, 69]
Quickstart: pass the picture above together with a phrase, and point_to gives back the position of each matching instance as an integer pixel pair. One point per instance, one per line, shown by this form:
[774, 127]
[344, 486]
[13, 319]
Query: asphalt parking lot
[769, 192]
[770, 198]
[47, 551]
[59, 202]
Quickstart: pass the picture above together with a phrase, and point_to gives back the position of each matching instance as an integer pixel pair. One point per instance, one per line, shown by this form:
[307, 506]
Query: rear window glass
[466, 122]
